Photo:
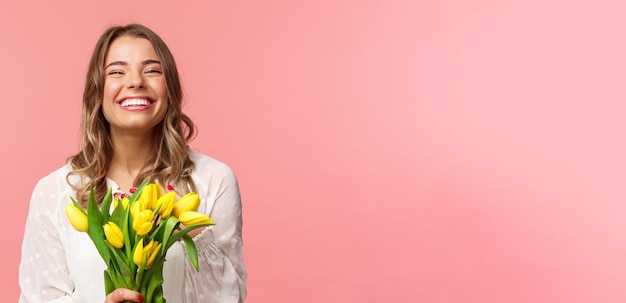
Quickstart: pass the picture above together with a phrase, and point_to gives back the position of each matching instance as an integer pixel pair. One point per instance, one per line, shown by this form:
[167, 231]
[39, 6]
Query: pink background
[387, 151]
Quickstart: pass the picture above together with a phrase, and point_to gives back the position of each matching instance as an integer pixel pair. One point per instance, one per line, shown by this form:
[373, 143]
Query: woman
[132, 128]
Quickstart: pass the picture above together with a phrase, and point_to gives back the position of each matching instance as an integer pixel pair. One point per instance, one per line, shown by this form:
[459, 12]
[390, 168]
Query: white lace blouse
[60, 264]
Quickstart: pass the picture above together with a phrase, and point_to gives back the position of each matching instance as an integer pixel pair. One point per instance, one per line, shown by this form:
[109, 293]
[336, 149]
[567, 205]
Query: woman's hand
[193, 233]
[122, 294]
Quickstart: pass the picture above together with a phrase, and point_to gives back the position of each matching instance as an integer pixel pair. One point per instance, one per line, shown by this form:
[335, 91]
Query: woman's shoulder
[57, 176]
[207, 166]
[52, 187]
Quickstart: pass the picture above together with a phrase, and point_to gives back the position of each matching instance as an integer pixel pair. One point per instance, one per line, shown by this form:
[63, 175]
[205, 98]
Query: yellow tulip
[113, 234]
[188, 202]
[77, 217]
[136, 208]
[191, 218]
[149, 196]
[148, 252]
[124, 202]
[167, 204]
[142, 222]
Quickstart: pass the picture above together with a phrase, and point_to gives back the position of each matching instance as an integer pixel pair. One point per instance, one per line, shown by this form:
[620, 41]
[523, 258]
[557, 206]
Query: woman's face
[135, 93]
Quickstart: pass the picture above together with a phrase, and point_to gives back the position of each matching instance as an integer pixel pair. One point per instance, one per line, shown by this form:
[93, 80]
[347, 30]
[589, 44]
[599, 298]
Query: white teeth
[135, 102]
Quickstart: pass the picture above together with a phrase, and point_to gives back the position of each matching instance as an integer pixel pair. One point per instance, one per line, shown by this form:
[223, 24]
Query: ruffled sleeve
[43, 272]
[222, 275]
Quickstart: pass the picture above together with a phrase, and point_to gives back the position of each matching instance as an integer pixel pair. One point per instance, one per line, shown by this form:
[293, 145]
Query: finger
[123, 294]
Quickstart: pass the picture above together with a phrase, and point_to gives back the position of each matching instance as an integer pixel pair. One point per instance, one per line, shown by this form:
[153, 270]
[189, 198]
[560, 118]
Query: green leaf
[190, 246]
[157, 266]
[165, 232]
[106, 204]
[115, 275]
[138, 190]
[119, 255]
[140, 271]
[108, 283]
[157, 296]
[183, 232]
[155, 285]
[78, 205]
[118, 215]
[128, 278]
[96, 232]
[122, 217]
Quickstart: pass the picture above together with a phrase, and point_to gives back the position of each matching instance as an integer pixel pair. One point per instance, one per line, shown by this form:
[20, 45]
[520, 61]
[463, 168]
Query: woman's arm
[43, 272]
[222, 275]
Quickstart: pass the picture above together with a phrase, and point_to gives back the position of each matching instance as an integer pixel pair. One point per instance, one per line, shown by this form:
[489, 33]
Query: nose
[136, 81]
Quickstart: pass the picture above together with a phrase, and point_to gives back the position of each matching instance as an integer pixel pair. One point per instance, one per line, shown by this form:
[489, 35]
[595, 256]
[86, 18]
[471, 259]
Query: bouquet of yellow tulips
[134, 237]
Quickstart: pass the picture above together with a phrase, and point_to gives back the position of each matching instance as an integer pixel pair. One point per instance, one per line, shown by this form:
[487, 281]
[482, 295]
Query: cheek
[161, 89]
[110, 90]
[107, 109]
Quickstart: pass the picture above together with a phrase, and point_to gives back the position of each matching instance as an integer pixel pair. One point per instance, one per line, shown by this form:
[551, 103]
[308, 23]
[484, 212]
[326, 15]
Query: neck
[130, 154]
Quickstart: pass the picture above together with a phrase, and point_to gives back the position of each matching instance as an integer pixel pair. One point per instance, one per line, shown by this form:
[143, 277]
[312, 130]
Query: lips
[135, 102]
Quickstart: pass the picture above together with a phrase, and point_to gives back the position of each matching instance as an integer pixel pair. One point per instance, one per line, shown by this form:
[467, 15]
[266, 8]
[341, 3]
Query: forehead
[130, 49]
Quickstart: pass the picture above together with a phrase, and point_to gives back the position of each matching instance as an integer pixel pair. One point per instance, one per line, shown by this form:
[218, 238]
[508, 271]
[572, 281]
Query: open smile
[136, 103]
[131, 102]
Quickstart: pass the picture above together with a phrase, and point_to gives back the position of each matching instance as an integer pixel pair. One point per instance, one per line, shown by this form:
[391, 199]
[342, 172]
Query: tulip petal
[149, 196]
[77, 218]
[113, 234]
[138, 255]
[188, 202]
[191, 218]
[166, 203]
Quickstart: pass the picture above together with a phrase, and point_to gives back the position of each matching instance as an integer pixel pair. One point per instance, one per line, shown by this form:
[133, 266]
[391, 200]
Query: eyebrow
[144, 62]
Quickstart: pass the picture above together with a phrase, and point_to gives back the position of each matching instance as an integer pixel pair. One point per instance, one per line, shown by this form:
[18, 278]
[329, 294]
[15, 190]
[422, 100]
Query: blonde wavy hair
[170, 163]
